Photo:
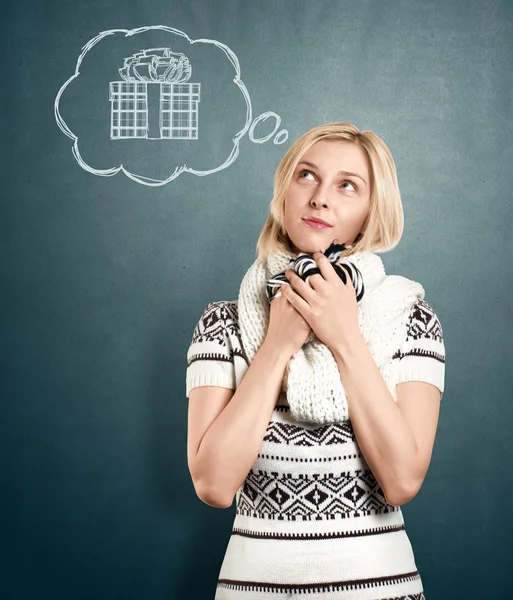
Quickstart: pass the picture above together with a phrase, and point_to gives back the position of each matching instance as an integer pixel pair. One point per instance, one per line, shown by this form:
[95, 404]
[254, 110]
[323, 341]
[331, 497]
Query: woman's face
[319, 189]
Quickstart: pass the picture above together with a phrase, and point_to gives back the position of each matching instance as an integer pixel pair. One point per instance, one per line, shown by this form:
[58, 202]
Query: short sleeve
[422, 355]
[210, 356]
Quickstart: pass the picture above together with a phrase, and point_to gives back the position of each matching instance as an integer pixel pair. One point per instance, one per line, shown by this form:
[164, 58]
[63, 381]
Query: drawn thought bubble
[152, 101]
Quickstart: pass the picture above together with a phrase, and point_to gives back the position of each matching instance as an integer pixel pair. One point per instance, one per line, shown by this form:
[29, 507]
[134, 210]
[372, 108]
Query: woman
[314, 397]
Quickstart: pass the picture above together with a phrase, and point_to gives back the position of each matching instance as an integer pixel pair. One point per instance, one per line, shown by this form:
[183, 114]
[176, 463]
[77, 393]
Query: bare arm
[231, 444]
[395, 438]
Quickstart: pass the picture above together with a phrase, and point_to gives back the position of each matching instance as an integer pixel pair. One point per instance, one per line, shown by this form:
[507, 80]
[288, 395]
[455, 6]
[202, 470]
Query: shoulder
[423, 322]
[423, 337]
[228, 308]
[225, 310]
[213, 348]
[421, 356]
[219, 319]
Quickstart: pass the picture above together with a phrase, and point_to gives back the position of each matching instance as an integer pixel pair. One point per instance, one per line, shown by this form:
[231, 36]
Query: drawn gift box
[154, 83]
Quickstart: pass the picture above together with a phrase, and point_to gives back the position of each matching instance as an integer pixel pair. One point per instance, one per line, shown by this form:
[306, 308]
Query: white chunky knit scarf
[312, 380]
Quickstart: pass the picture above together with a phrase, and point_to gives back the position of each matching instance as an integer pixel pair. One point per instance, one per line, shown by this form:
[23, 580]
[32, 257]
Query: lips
[315, 221]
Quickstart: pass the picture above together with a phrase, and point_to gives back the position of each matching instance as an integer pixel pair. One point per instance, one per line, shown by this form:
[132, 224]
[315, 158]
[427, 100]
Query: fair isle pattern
[291, 434]
[265, 495]
[344, 494]
[316, 536]
[422, 354]
[317, 588]
[231, 317]
[423, 326]
[221, 318]
[423, 322]
[217, 324]
[211, 326]
[310, 517]
[216, 355]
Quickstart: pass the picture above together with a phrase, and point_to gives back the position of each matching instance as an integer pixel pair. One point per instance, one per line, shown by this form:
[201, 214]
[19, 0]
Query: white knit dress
[310, 516]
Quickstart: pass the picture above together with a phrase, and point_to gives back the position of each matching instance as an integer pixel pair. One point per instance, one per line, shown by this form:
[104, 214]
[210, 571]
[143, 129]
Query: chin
[309, 250]
[312, 247]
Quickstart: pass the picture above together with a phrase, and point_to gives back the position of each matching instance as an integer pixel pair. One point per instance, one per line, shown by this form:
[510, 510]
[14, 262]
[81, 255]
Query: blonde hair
[383, 227]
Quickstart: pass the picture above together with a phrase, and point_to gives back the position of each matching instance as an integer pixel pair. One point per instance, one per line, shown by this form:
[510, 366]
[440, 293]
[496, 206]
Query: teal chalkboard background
[104, 278]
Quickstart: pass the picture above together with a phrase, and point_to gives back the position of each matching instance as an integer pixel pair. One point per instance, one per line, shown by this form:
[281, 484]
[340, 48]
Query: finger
[303, 289]
[348, 281]
[297, 302]
[325, 266]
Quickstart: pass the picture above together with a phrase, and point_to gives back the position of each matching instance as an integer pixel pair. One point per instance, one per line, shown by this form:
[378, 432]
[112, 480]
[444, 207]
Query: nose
[316, 203]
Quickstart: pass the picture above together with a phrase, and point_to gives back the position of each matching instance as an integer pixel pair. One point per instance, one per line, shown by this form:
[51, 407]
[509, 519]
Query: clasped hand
[327, 304]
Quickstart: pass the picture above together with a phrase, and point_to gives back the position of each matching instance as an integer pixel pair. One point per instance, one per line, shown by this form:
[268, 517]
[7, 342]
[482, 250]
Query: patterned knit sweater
[310, 516]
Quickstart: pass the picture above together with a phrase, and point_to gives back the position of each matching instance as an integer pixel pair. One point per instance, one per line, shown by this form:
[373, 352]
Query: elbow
[400, 495]
[213, 497]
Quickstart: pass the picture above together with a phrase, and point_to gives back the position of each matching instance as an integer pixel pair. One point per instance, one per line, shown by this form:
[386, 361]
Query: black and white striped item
[304, 265]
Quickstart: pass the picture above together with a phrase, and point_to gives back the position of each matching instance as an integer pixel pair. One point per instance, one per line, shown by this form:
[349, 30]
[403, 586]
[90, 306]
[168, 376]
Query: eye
[355, 187]
[351, 183]
[304, 171]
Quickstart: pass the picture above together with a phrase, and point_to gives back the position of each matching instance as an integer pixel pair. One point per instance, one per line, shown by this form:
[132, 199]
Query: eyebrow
[305, 162]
